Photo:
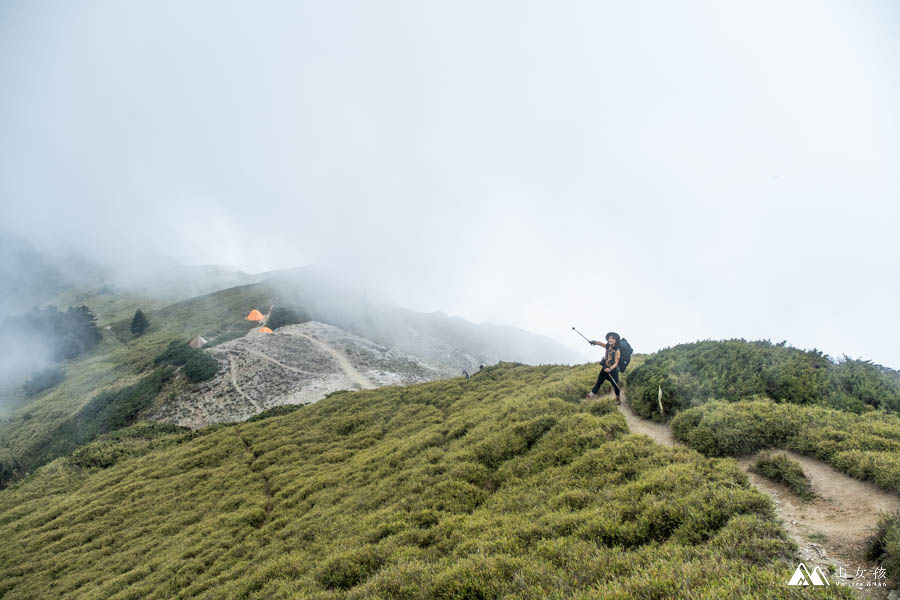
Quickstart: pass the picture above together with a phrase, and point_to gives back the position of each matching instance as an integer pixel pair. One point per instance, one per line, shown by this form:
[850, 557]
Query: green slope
[30, 425]
[505, 485]
[118, 361]
[106, 305]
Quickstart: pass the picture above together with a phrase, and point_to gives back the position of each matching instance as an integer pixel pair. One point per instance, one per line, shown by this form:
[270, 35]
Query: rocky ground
[298, 364]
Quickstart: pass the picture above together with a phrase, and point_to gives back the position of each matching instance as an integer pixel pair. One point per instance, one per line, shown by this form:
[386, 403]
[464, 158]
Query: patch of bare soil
[830, 530]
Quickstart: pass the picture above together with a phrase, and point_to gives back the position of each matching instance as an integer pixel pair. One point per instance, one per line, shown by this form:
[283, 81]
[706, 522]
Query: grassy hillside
[504, 485]
[30, 430]
[735, 370]
[119, 361]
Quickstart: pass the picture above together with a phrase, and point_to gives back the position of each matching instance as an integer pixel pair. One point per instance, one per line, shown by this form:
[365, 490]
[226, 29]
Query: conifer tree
[139, 323]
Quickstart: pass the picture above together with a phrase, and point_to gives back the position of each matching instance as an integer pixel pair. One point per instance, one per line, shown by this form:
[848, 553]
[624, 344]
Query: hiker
[466, 373]
[610, 365]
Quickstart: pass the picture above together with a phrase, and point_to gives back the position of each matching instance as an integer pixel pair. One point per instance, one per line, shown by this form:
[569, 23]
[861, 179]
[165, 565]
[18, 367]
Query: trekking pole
[582, 335]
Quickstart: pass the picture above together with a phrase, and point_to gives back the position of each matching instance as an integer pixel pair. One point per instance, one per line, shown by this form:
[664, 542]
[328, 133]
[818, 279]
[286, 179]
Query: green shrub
[277, 411]
[506, 443]
[282, 316]
[146, 430]
[884, 544]
[477, 577]
[738, 370]
[405, 581]
[347, 569]
[44, 380]
[723, 429]
[200, 367]
[784, 470]
[752, 539]
[176, 354]
[870, 384]
[864, 446]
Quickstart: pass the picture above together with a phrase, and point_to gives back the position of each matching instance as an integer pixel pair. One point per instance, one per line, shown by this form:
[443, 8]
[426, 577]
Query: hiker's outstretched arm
[596, 343]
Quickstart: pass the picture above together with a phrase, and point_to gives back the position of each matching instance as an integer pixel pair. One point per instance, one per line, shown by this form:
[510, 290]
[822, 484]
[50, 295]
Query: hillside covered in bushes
[504, 485]
[736, 370]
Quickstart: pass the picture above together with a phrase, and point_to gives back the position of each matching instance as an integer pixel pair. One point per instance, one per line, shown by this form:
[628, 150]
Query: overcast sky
[671, 170]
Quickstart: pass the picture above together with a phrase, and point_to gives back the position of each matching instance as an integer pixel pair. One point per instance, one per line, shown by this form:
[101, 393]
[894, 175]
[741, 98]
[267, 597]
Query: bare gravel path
[237, 387]
[354, 375]
[265, 356]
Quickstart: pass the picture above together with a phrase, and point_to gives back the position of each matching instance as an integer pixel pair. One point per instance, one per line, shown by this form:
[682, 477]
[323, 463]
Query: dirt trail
[657, 431]
[265, 356]
[351, 372]
[237, 387]
[831, 529]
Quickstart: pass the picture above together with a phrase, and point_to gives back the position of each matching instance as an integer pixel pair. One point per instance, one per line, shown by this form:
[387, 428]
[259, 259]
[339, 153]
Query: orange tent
[265, 330]
[255, 315]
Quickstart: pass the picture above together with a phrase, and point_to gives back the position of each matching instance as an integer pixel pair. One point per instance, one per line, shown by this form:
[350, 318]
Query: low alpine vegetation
[104, 413]
[783, 469]
[736, 370]
[884, 545]
[198, 365]
[503, 485]
[44, 380]
[282, 316]
[864, 446]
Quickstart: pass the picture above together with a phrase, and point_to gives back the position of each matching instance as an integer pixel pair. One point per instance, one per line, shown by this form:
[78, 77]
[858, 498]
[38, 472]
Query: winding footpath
[237, 387]
[265, 356]
[830, 530]
[351, 372]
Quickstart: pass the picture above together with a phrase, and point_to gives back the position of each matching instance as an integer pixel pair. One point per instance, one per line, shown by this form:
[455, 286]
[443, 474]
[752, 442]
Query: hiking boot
[618, 401]
[589, 395]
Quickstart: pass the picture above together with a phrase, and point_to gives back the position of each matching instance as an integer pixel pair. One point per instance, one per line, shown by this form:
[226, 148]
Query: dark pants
[613, 377]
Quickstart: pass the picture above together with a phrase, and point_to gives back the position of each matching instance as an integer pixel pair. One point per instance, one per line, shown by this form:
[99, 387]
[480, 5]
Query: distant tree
[64, 335]
[81, 326]
[139, 323]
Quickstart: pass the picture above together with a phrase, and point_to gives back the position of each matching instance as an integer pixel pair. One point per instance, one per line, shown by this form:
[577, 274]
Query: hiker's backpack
[625, 351]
